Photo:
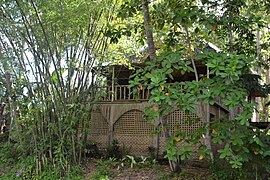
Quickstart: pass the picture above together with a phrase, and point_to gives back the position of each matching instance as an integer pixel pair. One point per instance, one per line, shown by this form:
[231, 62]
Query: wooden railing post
[121, 92]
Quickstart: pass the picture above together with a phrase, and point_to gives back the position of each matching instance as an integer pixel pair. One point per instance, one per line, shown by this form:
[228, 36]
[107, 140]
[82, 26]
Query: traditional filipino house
[119, 114]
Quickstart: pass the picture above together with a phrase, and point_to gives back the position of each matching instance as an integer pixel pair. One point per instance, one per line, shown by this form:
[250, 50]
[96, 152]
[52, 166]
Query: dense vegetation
[50, 49]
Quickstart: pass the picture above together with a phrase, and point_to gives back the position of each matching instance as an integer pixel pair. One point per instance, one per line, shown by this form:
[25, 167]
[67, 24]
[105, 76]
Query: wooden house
[119, 113]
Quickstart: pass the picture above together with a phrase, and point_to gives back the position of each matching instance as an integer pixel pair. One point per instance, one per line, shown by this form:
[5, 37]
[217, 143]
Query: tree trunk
[259, 73]
[265, 108]
[148, 30]
[174, 165]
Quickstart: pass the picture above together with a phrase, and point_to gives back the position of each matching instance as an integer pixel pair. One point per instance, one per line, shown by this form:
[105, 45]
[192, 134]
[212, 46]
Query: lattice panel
[99, 125]
[133, 132]
[99, 129]
[162, 144]
[101, 140]
[181, 121]
[132, 123]
[136, 145]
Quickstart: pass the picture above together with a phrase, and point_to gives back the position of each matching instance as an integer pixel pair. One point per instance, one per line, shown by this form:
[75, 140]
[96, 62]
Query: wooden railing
[125, 93]
[121, 93]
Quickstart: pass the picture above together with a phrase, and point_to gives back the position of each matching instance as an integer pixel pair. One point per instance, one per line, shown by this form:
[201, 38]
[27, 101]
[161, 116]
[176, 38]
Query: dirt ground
[189, 171]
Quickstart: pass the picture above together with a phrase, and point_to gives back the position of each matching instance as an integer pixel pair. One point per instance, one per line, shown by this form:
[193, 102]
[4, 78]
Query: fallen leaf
[201, 157]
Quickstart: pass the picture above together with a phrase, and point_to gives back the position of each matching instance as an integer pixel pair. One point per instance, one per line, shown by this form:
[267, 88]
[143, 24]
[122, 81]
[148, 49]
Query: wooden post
[113, 84]
[205, 116]
[267, 98]
[208, 107]
[156, 138]
[111, 123]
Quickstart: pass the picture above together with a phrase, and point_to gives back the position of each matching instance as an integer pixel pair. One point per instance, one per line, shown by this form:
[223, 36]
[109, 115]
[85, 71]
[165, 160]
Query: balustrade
[121, 93]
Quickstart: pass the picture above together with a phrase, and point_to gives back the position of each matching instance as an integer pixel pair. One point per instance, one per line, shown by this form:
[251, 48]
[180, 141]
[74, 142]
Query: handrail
[126, 93]
[121, 93]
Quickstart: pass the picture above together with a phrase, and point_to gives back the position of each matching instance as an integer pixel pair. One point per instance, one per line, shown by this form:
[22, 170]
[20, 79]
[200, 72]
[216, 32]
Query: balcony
[121, 93]
[125, 94]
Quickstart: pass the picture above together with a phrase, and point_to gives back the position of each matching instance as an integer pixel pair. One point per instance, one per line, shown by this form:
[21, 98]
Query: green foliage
[47, 53]
[180, 31]
[91, 149]
[155, 77]
[139, 162]
[132, 160]
[184, 145]
[242, 144]
[48, 50]
[116, 151]
[253, 170]
[225, 82]
[224, 171]
[16, 165]
[23, 168]
[52, 173]
[105, 166]
[230, 67]
[9, 153]
[103, 169]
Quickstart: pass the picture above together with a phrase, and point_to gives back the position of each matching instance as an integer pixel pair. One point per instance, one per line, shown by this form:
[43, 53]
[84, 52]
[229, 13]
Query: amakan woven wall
[180, 121]
[132, 131]
[99, 129]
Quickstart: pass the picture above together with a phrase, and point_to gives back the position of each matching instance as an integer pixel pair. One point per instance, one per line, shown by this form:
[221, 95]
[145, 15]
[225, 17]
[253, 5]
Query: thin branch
[190, 55]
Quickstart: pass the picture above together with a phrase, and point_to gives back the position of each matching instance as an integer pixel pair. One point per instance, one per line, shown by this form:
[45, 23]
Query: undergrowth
[16, 165]
[252, 170]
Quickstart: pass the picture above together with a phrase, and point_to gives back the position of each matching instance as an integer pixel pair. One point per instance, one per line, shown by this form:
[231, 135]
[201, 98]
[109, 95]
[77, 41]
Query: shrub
[115, 151]
[91, 149]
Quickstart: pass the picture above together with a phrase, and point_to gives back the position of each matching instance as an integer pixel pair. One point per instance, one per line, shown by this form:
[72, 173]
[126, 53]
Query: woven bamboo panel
[181, 121]
[162, 148]
[99, 129]
[162, 144]
[132, 123]
[133, 132]
[135, 145]
[101, 140]
[99, 124]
